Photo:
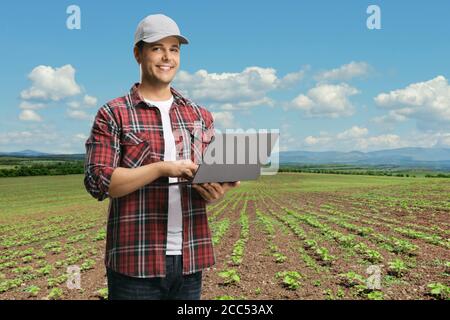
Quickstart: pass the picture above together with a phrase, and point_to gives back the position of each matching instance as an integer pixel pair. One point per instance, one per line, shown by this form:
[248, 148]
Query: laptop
[234, 157]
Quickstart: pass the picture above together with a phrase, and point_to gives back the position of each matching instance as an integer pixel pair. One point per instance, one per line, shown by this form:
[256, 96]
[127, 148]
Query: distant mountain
[38, 154]
[421, 157]
[25, 153]
[436, 158]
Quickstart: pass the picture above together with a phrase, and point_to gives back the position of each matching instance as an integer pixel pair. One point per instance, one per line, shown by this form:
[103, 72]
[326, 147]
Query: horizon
[282, 151]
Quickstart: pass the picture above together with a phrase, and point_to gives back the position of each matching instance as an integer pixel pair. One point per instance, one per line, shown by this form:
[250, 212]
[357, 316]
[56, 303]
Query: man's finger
[203, 192]
[218, 188]
[188, 173]
[212, 191]
[212, 194]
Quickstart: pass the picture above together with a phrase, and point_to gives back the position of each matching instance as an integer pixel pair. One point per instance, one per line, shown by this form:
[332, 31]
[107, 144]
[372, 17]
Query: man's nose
[166, 55]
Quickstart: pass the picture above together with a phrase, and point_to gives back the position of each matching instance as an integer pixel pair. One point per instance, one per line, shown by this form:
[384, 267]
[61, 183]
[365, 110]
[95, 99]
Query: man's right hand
[180, 168]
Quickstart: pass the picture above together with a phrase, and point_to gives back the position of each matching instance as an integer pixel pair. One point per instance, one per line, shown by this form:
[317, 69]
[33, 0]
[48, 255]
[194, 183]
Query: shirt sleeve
[102, 153]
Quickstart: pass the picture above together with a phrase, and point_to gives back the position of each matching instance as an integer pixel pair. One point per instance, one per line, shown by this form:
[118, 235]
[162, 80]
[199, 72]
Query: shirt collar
[136, 98]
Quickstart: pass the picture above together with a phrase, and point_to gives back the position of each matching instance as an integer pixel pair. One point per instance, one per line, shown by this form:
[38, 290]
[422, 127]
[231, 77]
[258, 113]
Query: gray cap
[155, 27]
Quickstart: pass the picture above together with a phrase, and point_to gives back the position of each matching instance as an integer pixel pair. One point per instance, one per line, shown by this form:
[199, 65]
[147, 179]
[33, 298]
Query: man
[158, 239]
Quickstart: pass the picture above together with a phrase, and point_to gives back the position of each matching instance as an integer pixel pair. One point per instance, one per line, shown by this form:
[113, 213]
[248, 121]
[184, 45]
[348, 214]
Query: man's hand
[180, 168]
[213, 191]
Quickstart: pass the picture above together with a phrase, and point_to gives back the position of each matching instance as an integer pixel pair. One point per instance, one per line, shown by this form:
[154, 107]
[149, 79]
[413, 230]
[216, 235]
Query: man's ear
[137, 54]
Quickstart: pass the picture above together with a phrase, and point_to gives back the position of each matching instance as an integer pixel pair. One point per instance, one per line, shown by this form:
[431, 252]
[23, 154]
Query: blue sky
[347, 87]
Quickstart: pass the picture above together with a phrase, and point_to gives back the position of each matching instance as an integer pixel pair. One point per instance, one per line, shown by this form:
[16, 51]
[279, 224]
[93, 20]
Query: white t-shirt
[175, 222]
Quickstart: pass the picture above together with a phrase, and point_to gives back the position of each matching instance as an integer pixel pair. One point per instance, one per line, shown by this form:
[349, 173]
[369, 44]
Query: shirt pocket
[200, 138]
[138, 149]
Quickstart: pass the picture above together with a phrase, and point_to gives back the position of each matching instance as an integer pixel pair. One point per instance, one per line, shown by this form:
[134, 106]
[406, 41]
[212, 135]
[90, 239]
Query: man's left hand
[213, 191]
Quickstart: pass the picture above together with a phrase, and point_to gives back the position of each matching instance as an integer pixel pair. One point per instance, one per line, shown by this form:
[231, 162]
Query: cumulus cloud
[384, 141]
[355, 138]
[391, 118]
[245, 105]
[29, 115]
[224, 119]
[353, 132]
[291, 78]
[50, 83]
[79, 137]
[232, 91]
[319, 140]
[442, 140]
[326, 100]
[50, 86]
[345, 72]
[26, 105]
[79, 115]
[45, 138]
[28, 137]
[90, 101]
[428, 102]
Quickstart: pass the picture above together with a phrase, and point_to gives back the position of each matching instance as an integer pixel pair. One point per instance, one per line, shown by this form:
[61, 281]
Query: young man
[158, 239]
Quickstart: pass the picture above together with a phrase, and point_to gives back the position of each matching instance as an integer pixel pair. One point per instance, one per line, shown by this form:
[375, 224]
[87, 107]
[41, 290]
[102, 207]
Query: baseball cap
[155, 27]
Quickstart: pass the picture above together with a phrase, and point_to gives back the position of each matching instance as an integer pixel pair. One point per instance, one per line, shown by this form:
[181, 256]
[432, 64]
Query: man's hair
[140, 45]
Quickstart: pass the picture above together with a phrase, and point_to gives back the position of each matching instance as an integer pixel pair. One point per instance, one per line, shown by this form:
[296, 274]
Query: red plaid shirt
[128, 132]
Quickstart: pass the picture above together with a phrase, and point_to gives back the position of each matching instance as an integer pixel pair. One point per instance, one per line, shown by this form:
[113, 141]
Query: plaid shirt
[128, 132]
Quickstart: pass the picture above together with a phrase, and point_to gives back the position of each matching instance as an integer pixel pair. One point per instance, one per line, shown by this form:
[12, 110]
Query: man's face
[159, 60]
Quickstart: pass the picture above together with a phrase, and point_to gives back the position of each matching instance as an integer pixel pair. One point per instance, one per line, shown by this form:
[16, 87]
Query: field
[289, 236]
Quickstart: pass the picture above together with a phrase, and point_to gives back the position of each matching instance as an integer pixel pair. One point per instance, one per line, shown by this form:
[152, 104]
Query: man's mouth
[164, 67]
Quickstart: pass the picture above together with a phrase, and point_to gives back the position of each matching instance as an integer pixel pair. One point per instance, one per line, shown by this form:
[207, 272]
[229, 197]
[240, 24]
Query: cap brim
[183, 40]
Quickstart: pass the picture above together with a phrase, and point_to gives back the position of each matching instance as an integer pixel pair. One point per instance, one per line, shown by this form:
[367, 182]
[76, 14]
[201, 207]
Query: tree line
[37, 169]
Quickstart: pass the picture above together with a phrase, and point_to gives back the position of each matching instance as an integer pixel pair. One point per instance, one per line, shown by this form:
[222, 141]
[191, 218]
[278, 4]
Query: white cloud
[45, 138]
[232, 91]
[51, 83]
[54, 84]
[311, 140]
[288, 141]
[345, 72]
[250, 84]
[90, 101]
[391, 118]
[327, 100]
[291, 78]
[80, 136]
[384, 141]
[224, 119]
[442, 140]
[355, 138]
[27, 137]
[87, 102]
[266, 101]
[74, 104]
[358, 138]
[29, 115]
[428, 102]
[26, 105]
[79, 115]
[353, 132]
[341, 142]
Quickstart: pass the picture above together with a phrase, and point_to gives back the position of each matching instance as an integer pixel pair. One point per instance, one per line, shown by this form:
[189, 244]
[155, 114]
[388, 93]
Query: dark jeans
[175, 286]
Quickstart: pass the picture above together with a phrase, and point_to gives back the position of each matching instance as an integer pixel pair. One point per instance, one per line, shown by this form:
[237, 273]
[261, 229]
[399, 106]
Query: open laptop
[234, 157]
